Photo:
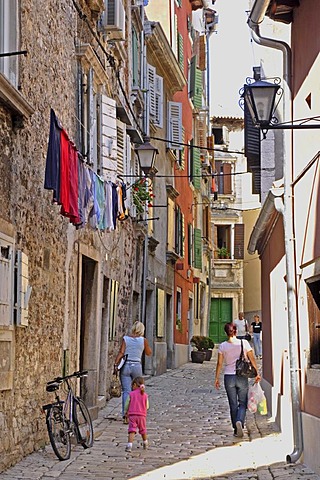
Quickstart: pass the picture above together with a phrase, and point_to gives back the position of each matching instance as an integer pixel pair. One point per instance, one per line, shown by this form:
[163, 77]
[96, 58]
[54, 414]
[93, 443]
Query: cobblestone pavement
[190, 437]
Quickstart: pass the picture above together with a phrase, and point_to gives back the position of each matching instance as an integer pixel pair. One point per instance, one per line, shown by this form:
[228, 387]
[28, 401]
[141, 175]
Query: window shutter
[175, 125]
[239, 241]
[171, 225]
[227, 178]
[197, 97]
[197, 248]
[151, 89]
[252, 148]
[6, 292]
[159, 101]
[23, 289]
[180, 51]
[121, 147]
[196, 172]
[91, 126]
[109, 153]
[135, 59]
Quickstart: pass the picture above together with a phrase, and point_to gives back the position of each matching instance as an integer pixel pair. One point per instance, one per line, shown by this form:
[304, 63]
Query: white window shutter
[6, 281]
[109, 151]
[23, 289]
[175, 125]
[159, 100]
[121, 147]
[151, 88]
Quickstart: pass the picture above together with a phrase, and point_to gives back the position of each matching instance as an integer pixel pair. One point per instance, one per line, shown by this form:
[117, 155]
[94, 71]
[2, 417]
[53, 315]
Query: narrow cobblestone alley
[190, 437]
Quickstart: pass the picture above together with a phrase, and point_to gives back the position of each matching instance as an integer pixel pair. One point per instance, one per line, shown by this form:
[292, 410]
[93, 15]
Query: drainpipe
[255, 18]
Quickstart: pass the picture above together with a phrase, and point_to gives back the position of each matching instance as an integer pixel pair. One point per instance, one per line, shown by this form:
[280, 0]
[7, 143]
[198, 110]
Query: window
[222, 237]
[171, 225]
[313, 295]
[178, 309]
[9, 38]
[179, 232]
[190, 244]
[223, 178]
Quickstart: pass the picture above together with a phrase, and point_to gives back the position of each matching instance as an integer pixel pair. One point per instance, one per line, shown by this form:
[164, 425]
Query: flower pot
[208, 355]
[197, 356]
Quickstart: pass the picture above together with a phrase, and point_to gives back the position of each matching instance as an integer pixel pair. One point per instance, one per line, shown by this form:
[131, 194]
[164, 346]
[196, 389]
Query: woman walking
[256, 328]
[133, 346]
[236, 387]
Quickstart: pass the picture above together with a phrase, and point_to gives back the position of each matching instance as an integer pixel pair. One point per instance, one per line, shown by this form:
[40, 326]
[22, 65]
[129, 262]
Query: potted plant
[204, 347]
[223, 252]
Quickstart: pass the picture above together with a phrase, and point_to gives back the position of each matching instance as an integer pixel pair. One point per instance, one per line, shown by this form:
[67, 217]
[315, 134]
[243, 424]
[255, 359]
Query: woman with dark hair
[236, 387]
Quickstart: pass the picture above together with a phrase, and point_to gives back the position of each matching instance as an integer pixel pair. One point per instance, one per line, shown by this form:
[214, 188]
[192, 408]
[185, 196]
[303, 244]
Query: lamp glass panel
[146, 158]
[263, 98]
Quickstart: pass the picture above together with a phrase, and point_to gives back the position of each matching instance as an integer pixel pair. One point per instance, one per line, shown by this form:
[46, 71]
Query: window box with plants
[204, 346]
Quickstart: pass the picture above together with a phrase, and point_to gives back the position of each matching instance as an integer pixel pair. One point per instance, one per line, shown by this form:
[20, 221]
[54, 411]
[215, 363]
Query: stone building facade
[77, 72]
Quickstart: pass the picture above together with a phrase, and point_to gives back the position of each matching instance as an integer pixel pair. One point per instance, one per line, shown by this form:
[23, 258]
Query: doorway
[220, 313]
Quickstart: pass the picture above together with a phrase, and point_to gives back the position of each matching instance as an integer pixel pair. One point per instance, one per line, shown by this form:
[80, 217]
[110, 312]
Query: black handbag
[244, 367]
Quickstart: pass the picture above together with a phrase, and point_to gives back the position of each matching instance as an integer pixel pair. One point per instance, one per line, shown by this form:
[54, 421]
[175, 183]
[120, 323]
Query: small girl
[135, 409]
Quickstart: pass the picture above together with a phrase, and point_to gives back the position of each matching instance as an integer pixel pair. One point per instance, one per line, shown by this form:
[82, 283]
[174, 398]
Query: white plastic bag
[256, 399]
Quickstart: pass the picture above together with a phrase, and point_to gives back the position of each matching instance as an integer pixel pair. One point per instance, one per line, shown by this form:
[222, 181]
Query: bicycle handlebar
[77, 374]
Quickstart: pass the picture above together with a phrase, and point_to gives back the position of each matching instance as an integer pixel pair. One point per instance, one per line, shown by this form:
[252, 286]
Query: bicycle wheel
[59, 433]
[83, 422]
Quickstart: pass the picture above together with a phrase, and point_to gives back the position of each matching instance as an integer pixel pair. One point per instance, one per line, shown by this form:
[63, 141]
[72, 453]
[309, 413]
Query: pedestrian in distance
[256, 329]
[236, 387]
[136, 407]
[242, 326]
[132, 346]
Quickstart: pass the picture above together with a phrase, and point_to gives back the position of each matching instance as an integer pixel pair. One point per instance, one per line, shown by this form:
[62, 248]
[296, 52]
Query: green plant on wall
[142, 194]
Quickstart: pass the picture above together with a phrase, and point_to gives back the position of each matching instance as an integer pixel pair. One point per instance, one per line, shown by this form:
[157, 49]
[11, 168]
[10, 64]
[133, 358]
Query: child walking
[135, 410]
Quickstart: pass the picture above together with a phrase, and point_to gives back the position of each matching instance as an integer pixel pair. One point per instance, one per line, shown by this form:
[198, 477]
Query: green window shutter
[183, 236]
[197, 248]
[197, 97]
[180, 51]
[196, 168]
[135, 59]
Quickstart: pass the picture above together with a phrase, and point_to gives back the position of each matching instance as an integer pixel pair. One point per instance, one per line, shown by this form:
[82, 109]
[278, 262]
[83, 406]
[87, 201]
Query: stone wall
[48, 79]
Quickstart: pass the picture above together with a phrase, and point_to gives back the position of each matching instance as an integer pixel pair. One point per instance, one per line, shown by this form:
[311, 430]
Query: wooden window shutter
[183, 236]
[151, 89]
[121, 147]
[108, 135]
[171, 225]
[239, 241]
[196, 171]
[227, 178]
[197, 97]
[180, 51]
[202, 52]
[175, 125]
[159, 101]
[135, 59]
[197, 248]
[6, 283]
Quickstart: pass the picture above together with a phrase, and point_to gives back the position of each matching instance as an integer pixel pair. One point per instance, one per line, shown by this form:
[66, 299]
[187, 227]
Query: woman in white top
[133, 346]
[236, 387]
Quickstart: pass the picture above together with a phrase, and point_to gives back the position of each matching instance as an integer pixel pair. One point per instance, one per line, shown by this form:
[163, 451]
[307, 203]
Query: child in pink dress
[135, 409]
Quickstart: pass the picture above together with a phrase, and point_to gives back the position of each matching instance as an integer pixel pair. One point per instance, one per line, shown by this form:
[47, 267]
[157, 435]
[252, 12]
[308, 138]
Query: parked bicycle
[68, 418]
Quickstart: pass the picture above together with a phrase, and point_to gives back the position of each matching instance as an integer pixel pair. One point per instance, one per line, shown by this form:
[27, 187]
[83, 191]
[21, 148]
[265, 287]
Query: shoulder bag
[115, 386]
[244, 367]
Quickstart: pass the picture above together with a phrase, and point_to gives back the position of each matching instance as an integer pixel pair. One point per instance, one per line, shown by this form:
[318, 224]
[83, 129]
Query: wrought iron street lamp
[260, 98]
[146, 154]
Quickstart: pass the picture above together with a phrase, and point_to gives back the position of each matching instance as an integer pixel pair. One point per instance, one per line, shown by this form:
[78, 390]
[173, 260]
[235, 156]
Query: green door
[220, 313]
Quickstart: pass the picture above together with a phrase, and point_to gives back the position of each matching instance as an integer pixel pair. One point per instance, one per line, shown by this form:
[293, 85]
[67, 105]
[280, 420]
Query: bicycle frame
[68, 417]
